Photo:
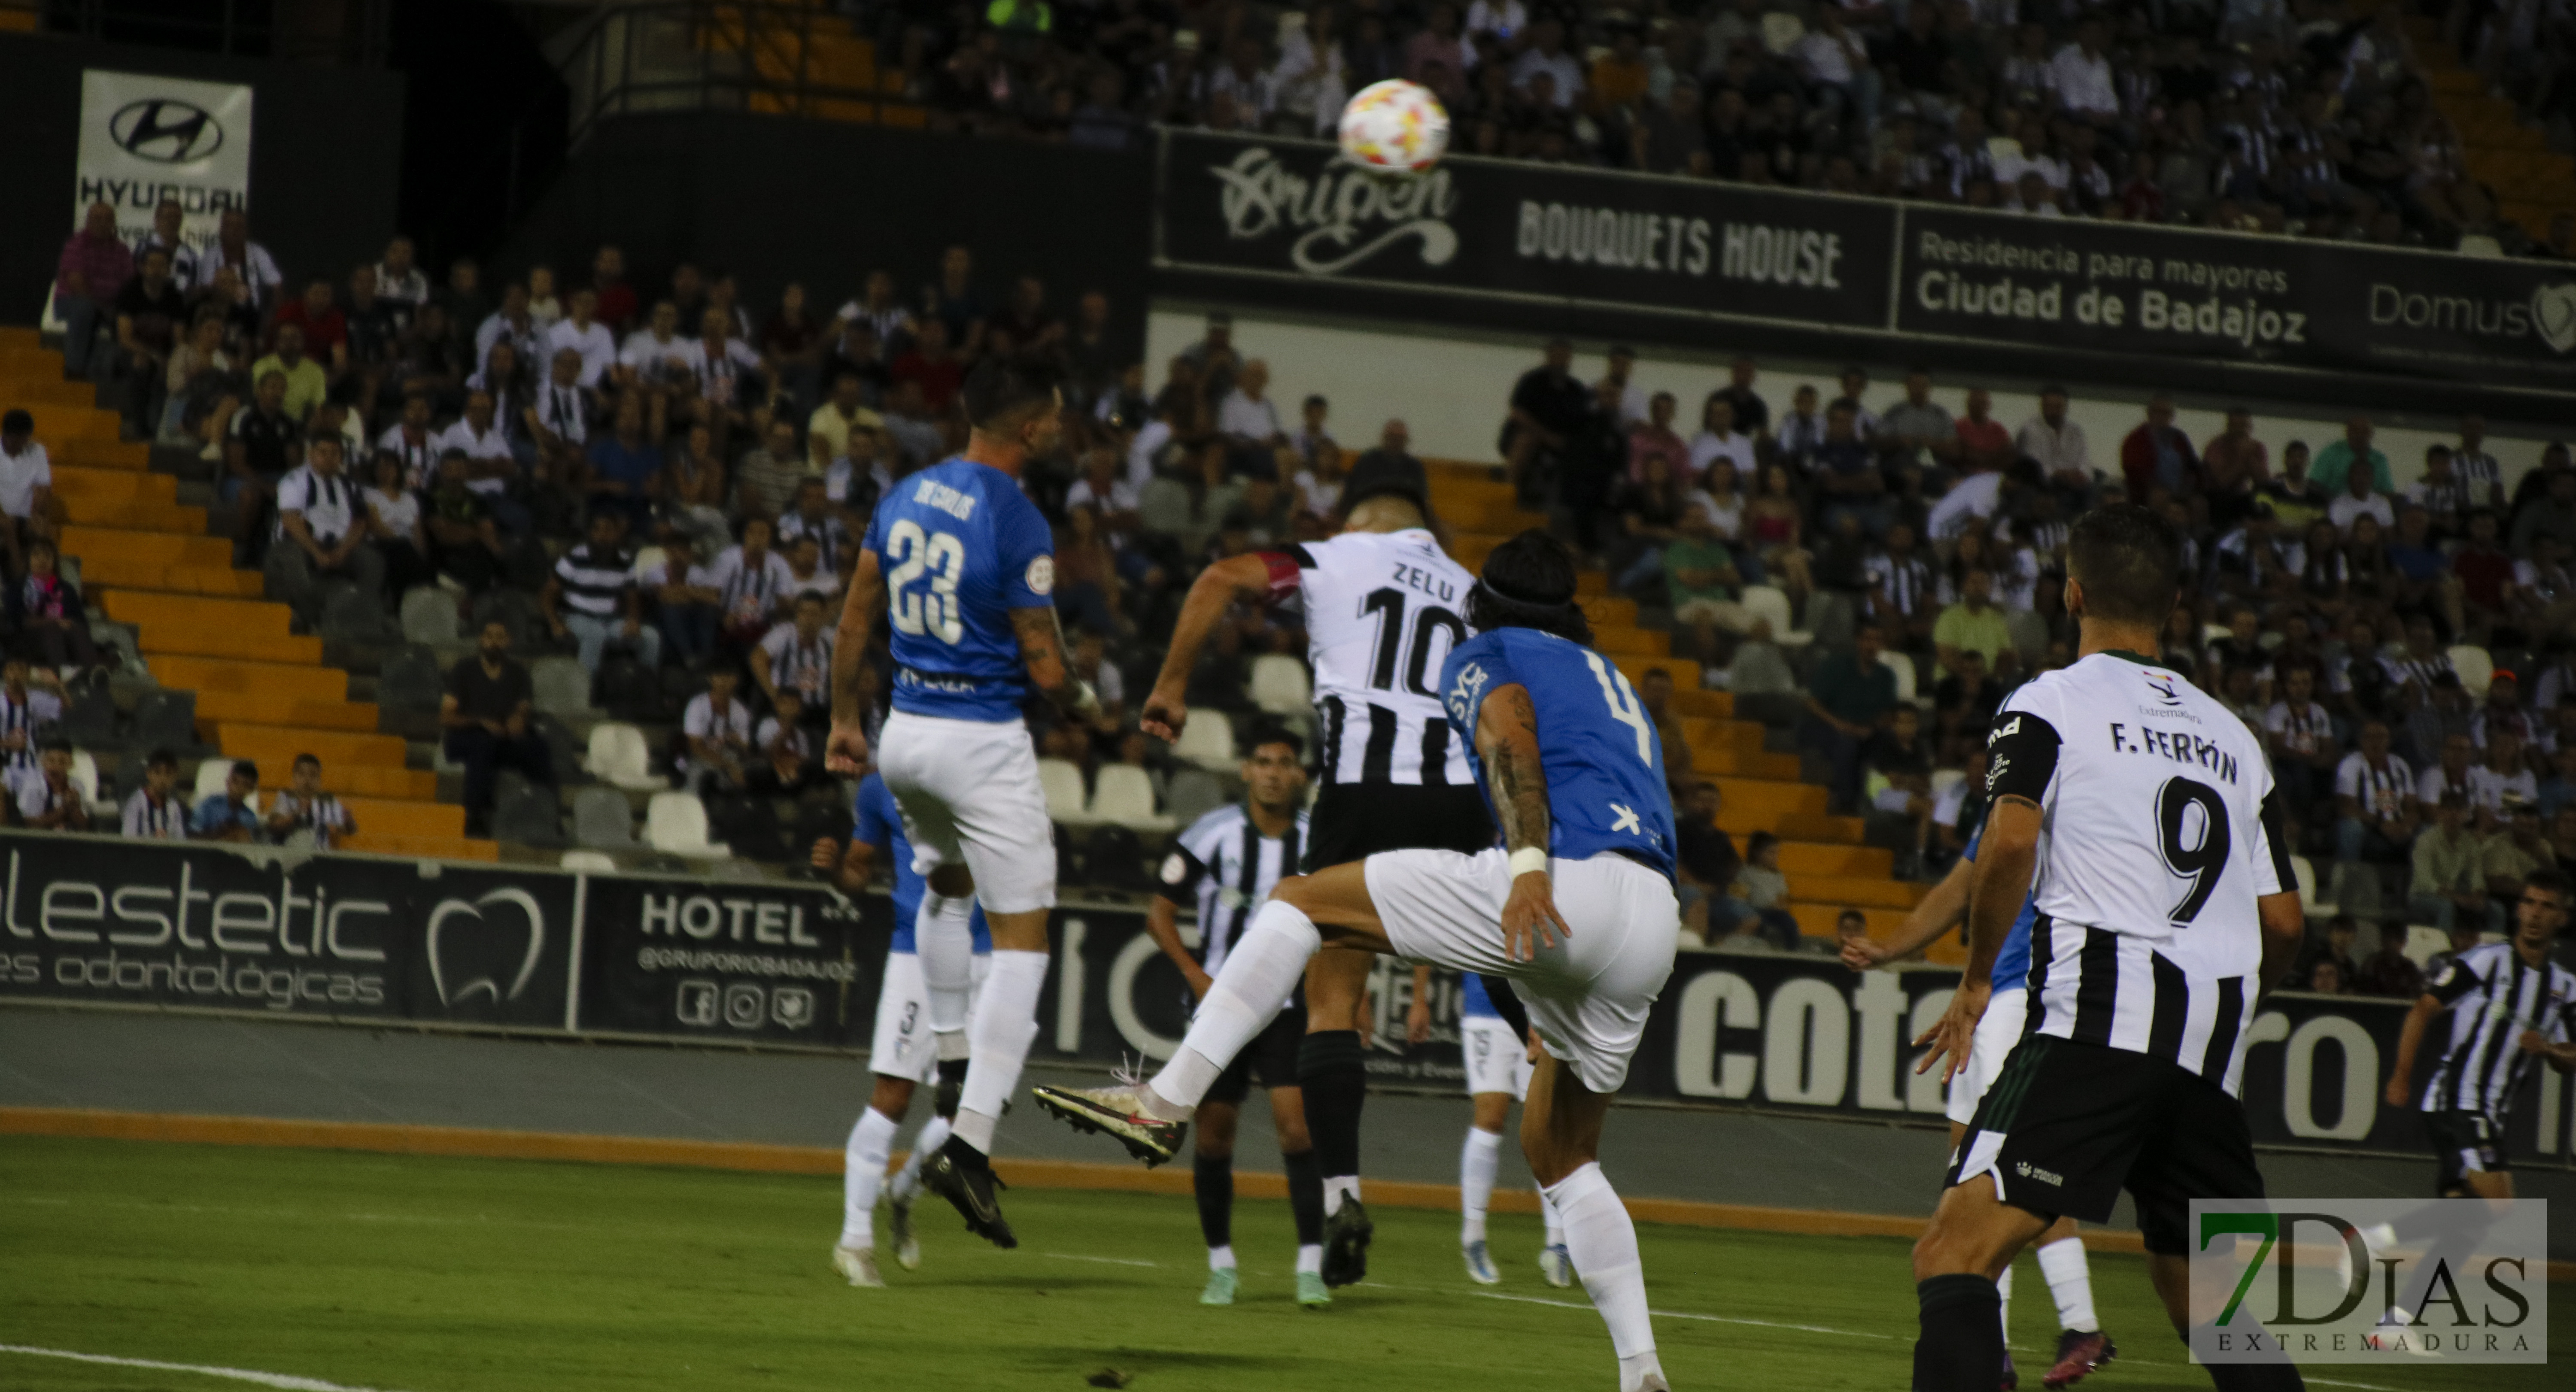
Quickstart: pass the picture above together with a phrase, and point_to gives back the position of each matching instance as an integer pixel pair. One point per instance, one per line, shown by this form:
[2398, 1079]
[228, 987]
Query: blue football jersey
[959, 547]
[2012, 960]
[876, 821]
[1473, 1003]
[1597, 747]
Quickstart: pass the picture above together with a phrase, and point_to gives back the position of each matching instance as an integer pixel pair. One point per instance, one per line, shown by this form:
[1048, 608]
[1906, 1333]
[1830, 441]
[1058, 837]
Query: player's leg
[1263, 967]
[1212, 1183]
[985, 776]
[2199, 1147]
[1332, 1067]
[1555, 1262]
[1561, 1136]
[1478, 1157]
[2082, 1347]
[1305, 1187]
[906, 1184]
[863, 1170]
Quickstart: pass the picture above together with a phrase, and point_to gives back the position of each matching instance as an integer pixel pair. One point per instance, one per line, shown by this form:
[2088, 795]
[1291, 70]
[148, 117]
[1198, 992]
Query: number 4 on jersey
[1624, 706]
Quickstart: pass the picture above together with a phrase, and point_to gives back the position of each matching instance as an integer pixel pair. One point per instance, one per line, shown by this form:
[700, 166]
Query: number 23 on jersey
[932, 610]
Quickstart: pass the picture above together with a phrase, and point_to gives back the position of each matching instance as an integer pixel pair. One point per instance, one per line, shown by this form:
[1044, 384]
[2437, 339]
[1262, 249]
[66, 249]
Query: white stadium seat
[1061, 780]
[675, 823]
[1124, 796]
[1207, 741]
[618, 755]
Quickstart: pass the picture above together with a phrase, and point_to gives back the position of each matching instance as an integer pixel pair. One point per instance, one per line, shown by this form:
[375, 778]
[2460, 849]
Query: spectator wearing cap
[233, 813]
[92, 269]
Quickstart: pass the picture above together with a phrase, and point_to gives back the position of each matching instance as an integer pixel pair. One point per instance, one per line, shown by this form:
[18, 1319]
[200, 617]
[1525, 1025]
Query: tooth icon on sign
[474, 951]
[2553, 314]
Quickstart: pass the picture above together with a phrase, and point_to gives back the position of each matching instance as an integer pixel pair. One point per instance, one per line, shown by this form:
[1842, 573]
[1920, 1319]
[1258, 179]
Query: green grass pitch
[432, 1275]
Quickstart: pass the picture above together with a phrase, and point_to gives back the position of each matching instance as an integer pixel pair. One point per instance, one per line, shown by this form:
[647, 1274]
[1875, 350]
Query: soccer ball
[1394, 127]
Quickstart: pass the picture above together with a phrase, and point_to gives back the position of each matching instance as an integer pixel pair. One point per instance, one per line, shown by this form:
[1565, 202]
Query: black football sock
[1306, 1196]
[1212, 1180]
[1498, 990]
[1961, 1348]
[966, 1156]
[1332, 1071]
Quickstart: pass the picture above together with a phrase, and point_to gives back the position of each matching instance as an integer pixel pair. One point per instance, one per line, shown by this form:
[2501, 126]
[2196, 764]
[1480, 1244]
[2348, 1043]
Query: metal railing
[700, 55]
[236, 28]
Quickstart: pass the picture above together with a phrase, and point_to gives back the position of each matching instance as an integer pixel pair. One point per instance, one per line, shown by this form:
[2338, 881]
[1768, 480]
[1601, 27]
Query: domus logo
[2549, 315]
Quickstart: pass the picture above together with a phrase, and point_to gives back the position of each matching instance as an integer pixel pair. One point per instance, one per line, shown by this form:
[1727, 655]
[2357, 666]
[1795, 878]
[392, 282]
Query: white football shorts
[903, 1046]
[968, 790]
[1998, 1030]
[1588, 995]
[1497, 1059]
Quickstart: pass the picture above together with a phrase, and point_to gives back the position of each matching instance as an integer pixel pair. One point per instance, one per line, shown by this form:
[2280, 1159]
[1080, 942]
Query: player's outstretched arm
[1939, 912]
[846, 752]
[1507, 744]
[2006, 859]
[2285, 924]
[1041, 637]
[2410, 1038]
[1218, 587]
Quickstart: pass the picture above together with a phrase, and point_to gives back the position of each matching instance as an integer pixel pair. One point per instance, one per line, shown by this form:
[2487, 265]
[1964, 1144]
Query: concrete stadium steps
[1861, 894]
[218, 708]
[357, 749]
[209, 676]
[262, 693]
[215, 581]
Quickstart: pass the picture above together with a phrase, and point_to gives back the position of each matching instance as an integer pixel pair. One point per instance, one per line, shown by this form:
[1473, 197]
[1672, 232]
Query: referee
[2138, 816]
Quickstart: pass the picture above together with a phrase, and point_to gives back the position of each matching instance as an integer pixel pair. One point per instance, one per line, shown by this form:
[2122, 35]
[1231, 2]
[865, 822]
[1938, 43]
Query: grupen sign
[144, 137]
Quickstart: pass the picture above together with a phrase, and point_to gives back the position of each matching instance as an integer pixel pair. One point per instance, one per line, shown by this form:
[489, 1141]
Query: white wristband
[1528, 859]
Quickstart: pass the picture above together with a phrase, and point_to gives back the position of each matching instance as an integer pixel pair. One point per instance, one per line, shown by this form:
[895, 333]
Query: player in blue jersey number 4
[1576, 908]
[963, 566]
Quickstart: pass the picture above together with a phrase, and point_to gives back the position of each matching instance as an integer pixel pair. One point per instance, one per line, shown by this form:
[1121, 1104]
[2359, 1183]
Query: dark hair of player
[1269, 734]
[2548, 879]
[2129, 561]
[1529, 583]
[1000, 395]
[161, 758]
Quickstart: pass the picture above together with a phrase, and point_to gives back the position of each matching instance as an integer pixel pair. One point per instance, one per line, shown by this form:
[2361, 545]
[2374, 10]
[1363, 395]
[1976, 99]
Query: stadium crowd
[2307, 119]
[514, 449]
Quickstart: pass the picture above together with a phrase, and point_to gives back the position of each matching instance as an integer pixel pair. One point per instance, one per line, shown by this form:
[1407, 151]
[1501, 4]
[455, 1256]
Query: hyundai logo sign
[165, 130]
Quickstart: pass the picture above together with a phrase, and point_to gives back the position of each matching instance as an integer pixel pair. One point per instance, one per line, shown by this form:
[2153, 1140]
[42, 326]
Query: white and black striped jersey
[1383, 609]
[25, 715]
[594, 579]
[165, 820]
[1230, 866]
[2159, 831]
[2494, 996]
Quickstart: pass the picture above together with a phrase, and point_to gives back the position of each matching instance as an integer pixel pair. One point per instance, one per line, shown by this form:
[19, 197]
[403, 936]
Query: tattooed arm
[1507, 745]
[1042, 648]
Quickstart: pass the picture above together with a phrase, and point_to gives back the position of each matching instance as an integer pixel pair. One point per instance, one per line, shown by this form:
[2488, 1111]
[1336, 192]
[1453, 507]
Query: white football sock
[863, 1167]
[943, 935]
[1221, 1258]
[1337, 1189]
[1550, 1218]
[907, 1181]
[1603, 1245]
[1001, 1034]
[2003, 1297]
[2070, 1280]
[1265, 965]
[1310, 1258]
[1476, 1161]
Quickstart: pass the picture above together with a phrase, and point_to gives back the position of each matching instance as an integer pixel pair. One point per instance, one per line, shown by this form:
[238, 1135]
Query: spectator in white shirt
[234, 250]
[753, 583]
[2358, 501]
[26, 485]
[1250, 424]
[2503, 776]
[716, 731]
[511, 321]
[2055, 442]
[2080, 77]
[583, 333]
[321, 529]
[1503, 20]
[155, 811]
[797, 656]
[1719, 439]
[398, 279]
[305, 810]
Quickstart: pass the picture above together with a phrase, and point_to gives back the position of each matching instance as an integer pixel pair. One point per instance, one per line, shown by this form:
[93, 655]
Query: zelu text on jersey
[1428, 582]
[2180, 746]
